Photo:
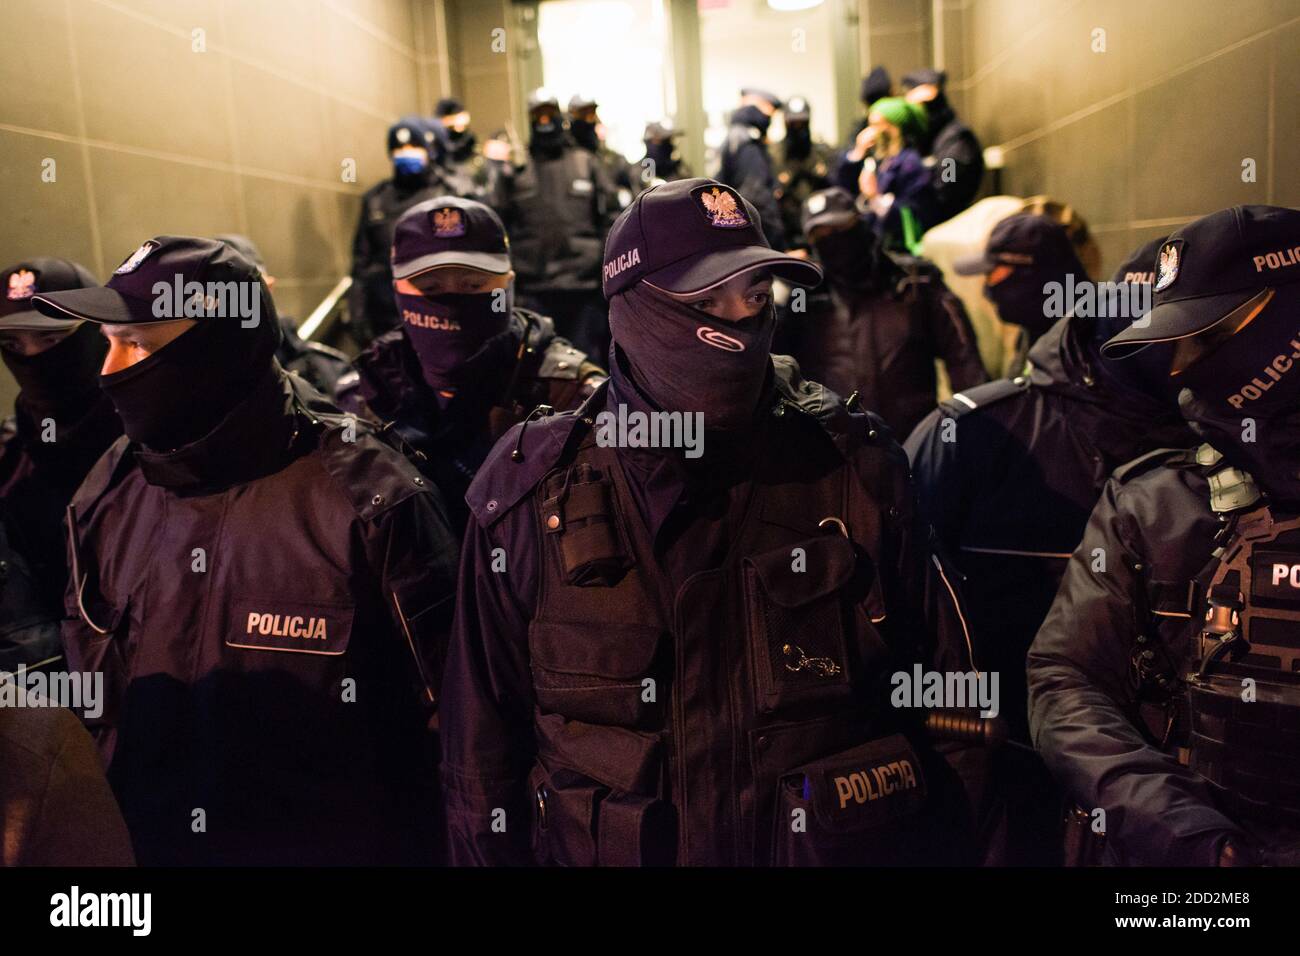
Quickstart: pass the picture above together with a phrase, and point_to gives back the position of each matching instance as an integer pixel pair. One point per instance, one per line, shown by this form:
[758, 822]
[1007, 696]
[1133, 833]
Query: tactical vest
[743, 719]
[1243, 676]
[1234, 687]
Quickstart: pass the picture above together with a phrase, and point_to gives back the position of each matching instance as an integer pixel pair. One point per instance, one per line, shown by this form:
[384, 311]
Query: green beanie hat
[910, 118]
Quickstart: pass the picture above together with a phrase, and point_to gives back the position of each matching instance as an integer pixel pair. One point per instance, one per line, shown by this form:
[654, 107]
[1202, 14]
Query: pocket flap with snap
[791, 579]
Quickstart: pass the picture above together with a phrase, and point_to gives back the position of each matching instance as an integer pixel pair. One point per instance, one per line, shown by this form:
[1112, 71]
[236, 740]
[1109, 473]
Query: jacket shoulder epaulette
[982, 396]
[561, 360]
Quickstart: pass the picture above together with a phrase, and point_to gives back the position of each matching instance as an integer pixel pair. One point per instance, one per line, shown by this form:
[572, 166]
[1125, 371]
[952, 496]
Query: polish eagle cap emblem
[723, 210]
[22, 284]
[1167, 267]
[448, 223]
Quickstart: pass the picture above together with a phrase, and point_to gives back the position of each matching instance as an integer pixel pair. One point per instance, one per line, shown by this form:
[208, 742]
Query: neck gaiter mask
[446, 331]
[62, 381]
[182, 392]
[686, 361]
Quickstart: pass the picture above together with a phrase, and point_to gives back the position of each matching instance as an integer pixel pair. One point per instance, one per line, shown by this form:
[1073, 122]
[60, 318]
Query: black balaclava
[851, 256]
[1020, 299]
[686, 361]
[61, 382]
[182, 392]
[584, 133]
[798, 140]
[751, 115]
[1260, 435]
[451, 333]
[547, 138]
[462, 143]
[660, 153]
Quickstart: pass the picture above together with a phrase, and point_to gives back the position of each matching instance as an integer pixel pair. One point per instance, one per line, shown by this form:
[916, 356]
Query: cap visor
[835, 218]
[29, 320]
[100, 304]
[494, 262]
[1174, 320]
[705, 272]
[972, 265]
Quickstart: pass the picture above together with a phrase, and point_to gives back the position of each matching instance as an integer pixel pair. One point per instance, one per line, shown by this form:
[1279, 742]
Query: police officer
[262, 582]
[885, 322]
[1161, 684]
[413, 148]
[678, 649]
[588, 131]
[662, 162]
[951, 150]
[463, 156]
[466, 363]
[1025, 254]
[803, 166]
[320, 366]
[556, 209]
[747, 165]
[1007, 474]
[61, 424]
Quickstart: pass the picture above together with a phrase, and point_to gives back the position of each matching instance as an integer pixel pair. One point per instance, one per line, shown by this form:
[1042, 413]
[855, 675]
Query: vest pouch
[795, 621]
[597, 674]
[580, 822]
[578, 519]
[861, 807]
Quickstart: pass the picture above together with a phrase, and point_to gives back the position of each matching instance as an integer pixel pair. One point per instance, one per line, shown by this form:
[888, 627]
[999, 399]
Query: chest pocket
[289, 626]
[600, 675]
[797, 617]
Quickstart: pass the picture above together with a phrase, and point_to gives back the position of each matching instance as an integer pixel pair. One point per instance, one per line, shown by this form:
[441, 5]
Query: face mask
[798, 141]
[661, 155]
[462, 142]
[584, 134]
[752, 116]
[547, 137]
[1020, 301]
[64, 379]
[409, 164]
[446, 332]
[848, 255]
[1244, 397]
[686, 361]
[182, 392]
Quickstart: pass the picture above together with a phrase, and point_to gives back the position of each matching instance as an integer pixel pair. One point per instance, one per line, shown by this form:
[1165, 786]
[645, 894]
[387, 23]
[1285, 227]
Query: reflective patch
[1275, 576]
[284, 626]
[869, 786]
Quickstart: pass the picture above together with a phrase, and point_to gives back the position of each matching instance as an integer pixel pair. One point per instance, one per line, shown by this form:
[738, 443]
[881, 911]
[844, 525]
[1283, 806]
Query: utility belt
[828, 788]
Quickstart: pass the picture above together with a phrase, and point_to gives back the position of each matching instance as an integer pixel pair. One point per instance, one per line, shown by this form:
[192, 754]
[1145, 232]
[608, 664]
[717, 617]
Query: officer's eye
[702, 305]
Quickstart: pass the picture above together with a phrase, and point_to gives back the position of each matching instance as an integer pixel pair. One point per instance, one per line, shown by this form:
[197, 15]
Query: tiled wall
[1148, 134]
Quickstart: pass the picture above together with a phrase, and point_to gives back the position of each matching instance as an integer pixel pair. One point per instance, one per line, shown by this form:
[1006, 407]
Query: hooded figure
[659, 677]
[240, 554]
[466, 363]
[1007, 473]
[61, 424]
[414, 150]
[951, 150]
